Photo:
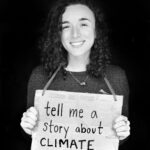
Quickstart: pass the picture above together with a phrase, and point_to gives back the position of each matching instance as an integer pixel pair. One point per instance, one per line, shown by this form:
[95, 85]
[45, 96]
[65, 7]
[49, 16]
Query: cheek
[65, 35]
[88, 34]
[65, 39]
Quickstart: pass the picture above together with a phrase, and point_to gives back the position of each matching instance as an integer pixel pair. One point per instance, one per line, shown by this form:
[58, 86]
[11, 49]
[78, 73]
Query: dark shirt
[115, 75]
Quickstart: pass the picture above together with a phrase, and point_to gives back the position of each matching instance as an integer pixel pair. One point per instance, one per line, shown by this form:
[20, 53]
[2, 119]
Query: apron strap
[51, 79]
[110, 88]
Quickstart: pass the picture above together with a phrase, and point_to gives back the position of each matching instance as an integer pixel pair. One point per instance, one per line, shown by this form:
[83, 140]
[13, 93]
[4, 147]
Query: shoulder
[39, 71]
[118, 80]
[37, 80]
[38, 76]
[115, 71]
[117, 77]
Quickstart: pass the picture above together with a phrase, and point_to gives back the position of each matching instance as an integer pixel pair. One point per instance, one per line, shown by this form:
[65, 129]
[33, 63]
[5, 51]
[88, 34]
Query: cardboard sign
[76, 121]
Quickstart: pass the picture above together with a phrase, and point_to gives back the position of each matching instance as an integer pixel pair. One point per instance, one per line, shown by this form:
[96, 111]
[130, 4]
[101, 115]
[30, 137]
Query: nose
[75, 32]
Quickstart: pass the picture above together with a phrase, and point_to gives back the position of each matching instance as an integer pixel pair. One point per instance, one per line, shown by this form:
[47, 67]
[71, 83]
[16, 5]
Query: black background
[20, 23]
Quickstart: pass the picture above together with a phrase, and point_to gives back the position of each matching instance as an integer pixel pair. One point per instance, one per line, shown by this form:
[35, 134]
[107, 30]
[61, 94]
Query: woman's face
[78, 30]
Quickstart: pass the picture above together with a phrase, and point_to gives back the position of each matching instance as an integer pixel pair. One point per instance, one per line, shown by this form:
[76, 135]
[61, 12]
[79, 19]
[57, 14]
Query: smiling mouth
[77, 44]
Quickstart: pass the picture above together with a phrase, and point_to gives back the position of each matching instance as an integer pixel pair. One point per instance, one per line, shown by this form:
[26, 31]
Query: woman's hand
[29, 120]
[122, 127]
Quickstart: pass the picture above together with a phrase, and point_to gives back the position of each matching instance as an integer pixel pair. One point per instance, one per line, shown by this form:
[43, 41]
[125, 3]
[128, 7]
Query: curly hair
[53, 53]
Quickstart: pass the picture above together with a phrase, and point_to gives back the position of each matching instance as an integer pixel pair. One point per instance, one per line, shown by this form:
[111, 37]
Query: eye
[65, 27]
[84, 25]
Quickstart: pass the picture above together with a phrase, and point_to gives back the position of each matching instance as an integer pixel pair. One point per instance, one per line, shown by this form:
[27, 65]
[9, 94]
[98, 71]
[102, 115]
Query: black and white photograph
[75, 74]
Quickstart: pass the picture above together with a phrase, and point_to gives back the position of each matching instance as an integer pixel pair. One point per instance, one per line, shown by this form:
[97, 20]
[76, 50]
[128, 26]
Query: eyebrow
[81, 19]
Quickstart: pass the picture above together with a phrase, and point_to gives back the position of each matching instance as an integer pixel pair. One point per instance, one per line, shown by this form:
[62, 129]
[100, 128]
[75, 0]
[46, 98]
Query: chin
[78, 54]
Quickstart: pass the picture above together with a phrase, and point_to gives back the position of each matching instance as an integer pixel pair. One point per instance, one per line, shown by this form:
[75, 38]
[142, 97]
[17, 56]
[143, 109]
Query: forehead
[77, 11]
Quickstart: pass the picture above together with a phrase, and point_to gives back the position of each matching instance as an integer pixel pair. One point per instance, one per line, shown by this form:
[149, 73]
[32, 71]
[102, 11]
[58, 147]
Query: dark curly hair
[54, 54]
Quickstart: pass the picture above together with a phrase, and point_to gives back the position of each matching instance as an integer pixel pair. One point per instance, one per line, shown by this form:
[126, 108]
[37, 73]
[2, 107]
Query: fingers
[29, 120]
[122, 127]
[123, 134]
[31, 113]
[32, 110]
[28, 131]
[121, 118]
[122, 124]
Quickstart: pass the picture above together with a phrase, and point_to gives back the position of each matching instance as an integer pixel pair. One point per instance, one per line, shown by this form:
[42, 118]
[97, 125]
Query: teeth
[77, 43]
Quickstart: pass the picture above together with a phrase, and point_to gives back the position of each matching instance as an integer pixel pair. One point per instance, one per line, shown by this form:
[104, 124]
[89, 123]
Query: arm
[30, 117]
[118, 80]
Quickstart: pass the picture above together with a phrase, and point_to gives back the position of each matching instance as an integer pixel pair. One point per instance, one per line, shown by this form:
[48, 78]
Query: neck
[77, 64]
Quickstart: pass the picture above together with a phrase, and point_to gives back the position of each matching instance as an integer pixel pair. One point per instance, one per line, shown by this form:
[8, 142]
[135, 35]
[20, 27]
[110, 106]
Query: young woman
[76, 40]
